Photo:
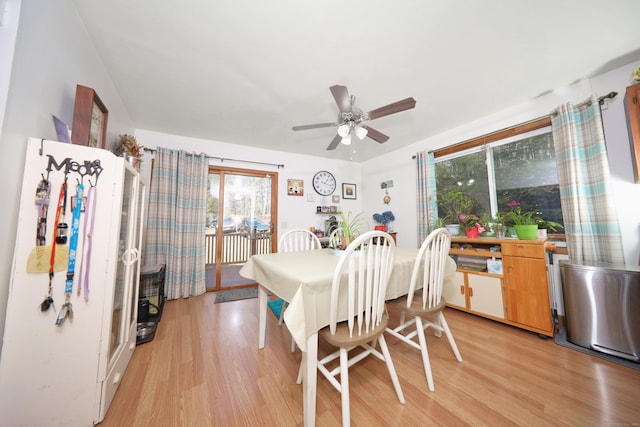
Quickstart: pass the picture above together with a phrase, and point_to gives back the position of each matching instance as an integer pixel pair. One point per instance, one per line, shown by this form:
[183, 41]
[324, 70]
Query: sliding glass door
[241, 218]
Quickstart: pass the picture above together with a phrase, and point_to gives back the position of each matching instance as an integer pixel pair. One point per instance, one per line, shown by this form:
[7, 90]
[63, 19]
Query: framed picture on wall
[348, 191]
[295, 187]
[335, 199]
[89, 125]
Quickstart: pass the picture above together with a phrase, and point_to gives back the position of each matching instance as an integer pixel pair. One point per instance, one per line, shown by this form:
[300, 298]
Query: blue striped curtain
[176, 220]
[588, 209]
[427, 203]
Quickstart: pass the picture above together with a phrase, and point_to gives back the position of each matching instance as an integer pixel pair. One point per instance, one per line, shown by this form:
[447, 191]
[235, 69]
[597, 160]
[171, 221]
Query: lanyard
[42, 200]
[90, 211]
[61, 202]
[73, 241]
[67, 309]
[48, 301]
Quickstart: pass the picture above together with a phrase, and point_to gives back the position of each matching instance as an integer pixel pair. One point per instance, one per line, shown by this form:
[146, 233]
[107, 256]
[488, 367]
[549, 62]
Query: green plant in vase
[548, 225]
[453, 203]
[351, 226]
[525, 223]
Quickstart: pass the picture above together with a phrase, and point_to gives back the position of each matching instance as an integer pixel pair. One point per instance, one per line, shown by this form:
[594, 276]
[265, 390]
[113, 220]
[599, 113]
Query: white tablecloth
[304, 280]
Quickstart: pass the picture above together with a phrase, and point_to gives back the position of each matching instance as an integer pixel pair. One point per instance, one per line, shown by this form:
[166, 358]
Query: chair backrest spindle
[297, 240]
[360, 282]
[432, 257]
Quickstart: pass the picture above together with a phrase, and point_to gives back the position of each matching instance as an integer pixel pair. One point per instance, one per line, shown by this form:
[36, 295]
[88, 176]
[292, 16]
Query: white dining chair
[425, 306]
[358, 293]
[296, 240]
[335, 238]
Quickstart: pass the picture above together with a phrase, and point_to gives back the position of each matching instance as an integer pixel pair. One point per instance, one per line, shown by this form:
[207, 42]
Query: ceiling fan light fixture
[343, 130]
[360, 132]
[346, 140]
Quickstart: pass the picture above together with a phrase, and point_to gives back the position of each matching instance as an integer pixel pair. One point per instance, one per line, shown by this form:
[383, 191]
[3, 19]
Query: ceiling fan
[350, 118]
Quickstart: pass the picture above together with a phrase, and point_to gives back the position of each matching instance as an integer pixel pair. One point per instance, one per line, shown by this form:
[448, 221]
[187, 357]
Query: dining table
[304, 279]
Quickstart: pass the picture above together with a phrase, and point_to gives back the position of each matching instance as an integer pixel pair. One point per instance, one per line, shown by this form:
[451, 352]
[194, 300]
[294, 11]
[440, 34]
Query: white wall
[293, 211]
[625, 191]
[400, 167]
[9, 14]
[53, 53]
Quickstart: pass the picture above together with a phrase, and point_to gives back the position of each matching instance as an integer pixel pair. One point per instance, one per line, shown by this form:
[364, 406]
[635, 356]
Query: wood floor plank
[203, 368]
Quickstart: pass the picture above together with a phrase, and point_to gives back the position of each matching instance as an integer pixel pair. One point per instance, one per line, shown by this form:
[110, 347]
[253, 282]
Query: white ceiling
[245, 72]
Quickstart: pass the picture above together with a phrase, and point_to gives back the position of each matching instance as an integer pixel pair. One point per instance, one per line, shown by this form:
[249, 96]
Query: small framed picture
[295, 187]
[349, 191]
[335, 198]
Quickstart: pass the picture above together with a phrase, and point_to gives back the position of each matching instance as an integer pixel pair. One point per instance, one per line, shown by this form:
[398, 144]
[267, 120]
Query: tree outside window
[522, 170]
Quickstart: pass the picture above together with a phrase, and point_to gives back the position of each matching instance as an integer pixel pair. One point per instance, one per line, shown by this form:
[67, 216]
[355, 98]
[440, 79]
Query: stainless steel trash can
[602, 307]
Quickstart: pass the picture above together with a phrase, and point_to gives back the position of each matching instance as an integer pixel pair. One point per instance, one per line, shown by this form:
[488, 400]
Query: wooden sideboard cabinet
[519, 296]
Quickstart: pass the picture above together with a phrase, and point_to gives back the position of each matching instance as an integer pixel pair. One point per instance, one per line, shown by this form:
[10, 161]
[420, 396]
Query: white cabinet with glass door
[68, 372]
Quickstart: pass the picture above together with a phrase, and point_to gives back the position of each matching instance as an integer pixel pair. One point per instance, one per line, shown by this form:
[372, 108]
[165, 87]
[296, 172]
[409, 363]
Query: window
[519, 166]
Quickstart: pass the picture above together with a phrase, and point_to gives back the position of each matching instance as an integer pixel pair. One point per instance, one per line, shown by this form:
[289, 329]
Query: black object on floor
[560, 338]
[151, 296]
[146, 332]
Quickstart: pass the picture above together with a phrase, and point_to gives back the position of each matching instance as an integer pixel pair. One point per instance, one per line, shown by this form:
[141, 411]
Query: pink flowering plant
[517, 217]
[470, 221]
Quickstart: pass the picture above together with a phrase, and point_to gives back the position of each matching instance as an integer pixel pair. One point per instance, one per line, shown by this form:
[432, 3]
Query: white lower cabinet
[477, 293]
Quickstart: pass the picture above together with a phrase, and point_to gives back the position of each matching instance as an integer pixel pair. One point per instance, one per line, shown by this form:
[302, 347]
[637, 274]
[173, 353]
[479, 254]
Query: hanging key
[65, 311]
[62, 315]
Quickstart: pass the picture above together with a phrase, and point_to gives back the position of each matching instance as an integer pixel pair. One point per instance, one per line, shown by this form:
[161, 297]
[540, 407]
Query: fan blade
[335, 142]
[376, 135]
[341, 95]
[396, 107]
[315, 126]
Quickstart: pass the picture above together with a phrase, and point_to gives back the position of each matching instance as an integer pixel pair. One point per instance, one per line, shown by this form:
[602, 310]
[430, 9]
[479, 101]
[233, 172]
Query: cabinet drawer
[529, 250]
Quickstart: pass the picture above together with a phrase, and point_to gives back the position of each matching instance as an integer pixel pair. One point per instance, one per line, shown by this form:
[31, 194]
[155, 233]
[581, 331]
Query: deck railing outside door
[238, 246]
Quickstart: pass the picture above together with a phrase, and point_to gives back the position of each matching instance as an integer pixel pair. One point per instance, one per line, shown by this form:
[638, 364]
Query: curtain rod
[223, 159]
[601, 100]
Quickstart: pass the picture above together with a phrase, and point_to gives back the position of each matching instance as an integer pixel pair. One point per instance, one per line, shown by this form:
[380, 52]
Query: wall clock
[324, 183]
[89, 118]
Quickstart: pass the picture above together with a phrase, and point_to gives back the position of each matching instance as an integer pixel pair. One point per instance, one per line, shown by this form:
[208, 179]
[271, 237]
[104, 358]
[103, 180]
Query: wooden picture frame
[632, 110]
[349, 191]
[90, 116]
[295, 187]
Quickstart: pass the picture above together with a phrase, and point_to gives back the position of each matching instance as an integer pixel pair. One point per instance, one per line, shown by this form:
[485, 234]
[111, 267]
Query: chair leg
[391, 368]
[449, 335]
[425, 353]
[299, 377]
[344, 387]
[293, 345]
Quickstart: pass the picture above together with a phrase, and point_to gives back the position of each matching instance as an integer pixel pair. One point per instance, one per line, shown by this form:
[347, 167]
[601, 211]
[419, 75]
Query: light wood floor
[204, 369]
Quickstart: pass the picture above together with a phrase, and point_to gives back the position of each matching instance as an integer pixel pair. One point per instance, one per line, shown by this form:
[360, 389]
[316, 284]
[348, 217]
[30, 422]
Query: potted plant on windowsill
[453, 203]
[525, 223]
[545, 226]
[472, 225]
